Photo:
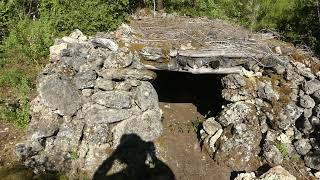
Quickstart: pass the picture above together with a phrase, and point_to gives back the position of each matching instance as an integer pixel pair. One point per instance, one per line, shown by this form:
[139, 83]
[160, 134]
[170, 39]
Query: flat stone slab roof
[200, 45]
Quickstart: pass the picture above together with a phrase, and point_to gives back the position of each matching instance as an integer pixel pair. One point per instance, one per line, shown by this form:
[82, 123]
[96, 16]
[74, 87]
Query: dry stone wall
[90, 94]
[271, 118]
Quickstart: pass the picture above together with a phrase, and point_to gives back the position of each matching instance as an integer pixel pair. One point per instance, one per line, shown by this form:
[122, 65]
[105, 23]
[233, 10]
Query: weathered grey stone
[85, 79]
[302, 146]
[233, 81]
[279, 69]
[148, 126]
[265, 91]
[96, 133]
[122, 74]
[152, 53]
[55, 51]
[306, 101]
[77, 34]
[118, 60]
[297, 134]
[92, 65]
[146, 96]
[87, 92]
[239, 148]
[317, 111]
[73, 63]
[210, 141]
[284, 139]
[272, 135]
[246, 176]
[59, 94]
[104, 84]
[240, 94]
[294, 77]
[290, 132]
[307, 127]
[312, 160]
[24, 150]
[315, 144]
[106, 115]
[316, 96]
[307, 113]
[311, 86]
[236, 113]
[44, 122]
[113, 99]
[70, 132]
[272, 154]
[287, 116]
[91, 157]
[263, 124]
[315, 121]
[211, 126]
[123, 85]
[277, 173]
[105, 43]
[304, 71]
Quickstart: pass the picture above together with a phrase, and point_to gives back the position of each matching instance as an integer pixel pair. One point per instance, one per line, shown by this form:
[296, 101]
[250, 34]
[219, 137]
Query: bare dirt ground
[10, 135]
[179, 147]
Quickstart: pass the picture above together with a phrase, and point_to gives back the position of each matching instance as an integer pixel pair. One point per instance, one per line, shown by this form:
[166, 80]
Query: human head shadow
[140, 160]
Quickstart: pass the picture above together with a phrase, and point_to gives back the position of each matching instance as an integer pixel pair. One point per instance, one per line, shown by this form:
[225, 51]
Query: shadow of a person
[140, 159]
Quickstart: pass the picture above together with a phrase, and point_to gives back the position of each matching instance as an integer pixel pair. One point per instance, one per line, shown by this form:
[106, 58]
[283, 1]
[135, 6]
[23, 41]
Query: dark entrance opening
[202, 90]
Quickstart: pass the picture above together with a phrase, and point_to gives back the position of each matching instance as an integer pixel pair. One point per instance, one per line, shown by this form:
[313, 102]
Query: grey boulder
[59, 94]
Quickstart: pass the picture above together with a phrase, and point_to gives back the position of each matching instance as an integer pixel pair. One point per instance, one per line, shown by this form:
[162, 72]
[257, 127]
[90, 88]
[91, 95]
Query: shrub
[28, 41]
[28, 29]
[88, 16]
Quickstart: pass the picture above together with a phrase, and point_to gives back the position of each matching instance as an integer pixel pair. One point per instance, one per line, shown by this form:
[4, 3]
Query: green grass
[197, 123]
[15, 86]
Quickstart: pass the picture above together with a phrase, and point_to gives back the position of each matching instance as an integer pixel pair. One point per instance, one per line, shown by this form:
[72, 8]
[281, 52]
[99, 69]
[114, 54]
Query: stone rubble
[275, 173]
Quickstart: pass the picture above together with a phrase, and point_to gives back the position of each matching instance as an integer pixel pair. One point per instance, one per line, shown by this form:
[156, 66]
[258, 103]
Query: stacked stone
[274, 114]
[90, 94]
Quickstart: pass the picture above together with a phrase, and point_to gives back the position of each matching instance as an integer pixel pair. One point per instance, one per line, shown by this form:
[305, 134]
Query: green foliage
[74, 155]
[16, 80]
[196, 124]
[296, 157]
[194, 8]
[283, 150]
[28, 41]
[9, 10]
[20, 116]
[20, 85]
[28, 29]
[88, 16]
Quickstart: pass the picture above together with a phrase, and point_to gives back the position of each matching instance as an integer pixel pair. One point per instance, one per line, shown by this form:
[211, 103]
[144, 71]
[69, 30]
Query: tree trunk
[160, 5]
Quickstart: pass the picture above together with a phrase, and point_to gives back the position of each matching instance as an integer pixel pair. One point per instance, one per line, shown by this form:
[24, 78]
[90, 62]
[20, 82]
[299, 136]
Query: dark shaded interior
[203, 90]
